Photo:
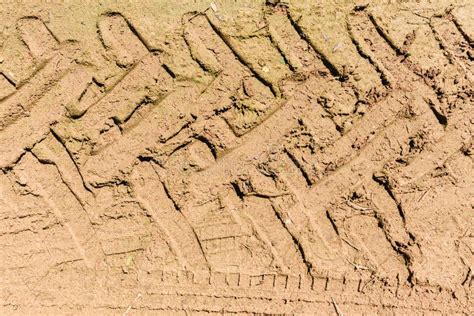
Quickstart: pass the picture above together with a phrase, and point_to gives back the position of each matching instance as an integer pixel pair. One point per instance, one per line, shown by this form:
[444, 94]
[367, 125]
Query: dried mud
[236, 157]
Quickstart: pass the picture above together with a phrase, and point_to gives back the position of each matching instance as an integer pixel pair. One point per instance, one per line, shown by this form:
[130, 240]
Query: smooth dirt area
[236, 157]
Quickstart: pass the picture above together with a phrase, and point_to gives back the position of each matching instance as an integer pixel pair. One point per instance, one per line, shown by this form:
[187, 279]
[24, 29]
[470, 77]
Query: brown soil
[198, 157]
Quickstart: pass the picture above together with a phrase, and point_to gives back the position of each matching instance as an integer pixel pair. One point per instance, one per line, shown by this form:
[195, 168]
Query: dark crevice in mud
[203, 65]
[178, 208]
[282, 54]
[441, 44]
[207, 142]
[466, 36]
[297, 243]
[133, 30]
[201, 248]
[339, 128]
[332, 69]
[83, 93]
[442, 119]
[276, 4]
[50, 162]
[40, 160]
[383, 76]
[179, 147]
[200, 63]
[97, 82]
[221, 110]
[385, 36]
[59, 139]
[144, 102]
[237, 190]
[11, 165]
[399, 247]
[360, 7]
[110, 183]
[100, 36]
[168, 195]
[225, 38]
[232, 128]
[278, 48]
[142, 158]
[333, 223]
[469, 277]
[383, 181]
[34, 17]
[8, 79]
[186, 125]
[169, 71]
[298, 165]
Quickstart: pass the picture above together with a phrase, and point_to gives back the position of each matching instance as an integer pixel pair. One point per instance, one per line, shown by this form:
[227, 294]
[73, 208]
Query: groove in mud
[301, 251]
[332, 68]
[384, 182]
[49, 162]
[466, 36]
[169, 71]
[133, 30]
[167, 192]
[385, 35]
[146, 101]
[8, 79]
[441, 44]
[307, 178]
[276, 44]
[225, 38]
[442, 119]
[60, 140]
[209, 145]
[382, 73]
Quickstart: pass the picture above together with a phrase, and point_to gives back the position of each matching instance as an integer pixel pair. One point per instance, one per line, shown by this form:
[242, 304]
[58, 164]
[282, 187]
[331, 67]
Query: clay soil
[236, 157]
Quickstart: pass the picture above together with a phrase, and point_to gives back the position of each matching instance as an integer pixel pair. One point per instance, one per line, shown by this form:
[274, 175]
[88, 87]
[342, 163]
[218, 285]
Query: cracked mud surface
[236, 157]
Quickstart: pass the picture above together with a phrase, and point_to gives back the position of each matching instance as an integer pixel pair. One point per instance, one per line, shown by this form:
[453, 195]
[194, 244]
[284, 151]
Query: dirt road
[236, 157]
